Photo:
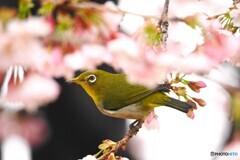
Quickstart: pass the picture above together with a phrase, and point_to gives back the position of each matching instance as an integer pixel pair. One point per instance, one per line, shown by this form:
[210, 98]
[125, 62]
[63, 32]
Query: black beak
[74, 80]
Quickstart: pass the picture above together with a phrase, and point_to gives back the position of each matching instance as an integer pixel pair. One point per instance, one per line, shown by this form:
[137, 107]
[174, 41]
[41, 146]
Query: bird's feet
[135, 125]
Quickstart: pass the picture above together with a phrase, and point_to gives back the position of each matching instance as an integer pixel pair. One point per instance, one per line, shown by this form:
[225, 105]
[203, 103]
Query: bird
[114, 96]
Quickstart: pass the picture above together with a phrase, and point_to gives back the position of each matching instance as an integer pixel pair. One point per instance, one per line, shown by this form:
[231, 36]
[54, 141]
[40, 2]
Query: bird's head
[93, 82]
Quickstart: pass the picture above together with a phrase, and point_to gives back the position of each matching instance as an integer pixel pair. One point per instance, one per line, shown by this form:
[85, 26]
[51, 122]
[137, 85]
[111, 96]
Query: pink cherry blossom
[34, 26]
[139, 63]
[235, 60]
[103, 31]
[235, 15]
[151, 122]
[88, 57]
[32, 128]
[18, 46]
[219, 45]
[112, 20]
[56, 65]
[34, 91]
[210, 7]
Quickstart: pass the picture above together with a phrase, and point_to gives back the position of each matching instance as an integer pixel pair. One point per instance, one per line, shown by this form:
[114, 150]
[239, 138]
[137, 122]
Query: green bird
[114, 96]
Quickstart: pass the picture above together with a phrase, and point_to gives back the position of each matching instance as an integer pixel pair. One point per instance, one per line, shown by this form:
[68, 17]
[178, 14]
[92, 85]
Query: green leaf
[64, 22]
[24, 8]
[152, 34]
[46, 8]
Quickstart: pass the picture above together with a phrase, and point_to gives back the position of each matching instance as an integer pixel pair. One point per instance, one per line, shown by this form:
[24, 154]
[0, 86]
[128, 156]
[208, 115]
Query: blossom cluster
[58, 46]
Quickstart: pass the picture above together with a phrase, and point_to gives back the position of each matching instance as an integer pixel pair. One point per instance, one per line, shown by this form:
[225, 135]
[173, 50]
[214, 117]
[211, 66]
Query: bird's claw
[134, 125]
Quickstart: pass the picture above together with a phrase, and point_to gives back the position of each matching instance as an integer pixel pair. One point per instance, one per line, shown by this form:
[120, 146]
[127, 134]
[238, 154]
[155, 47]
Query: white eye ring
[91, 78]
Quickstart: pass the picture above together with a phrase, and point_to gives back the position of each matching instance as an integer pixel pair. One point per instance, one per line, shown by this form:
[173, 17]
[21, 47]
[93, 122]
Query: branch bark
[122, 143]
[163, 23]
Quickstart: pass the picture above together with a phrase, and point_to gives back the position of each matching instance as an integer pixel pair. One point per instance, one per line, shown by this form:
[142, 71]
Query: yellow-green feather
[112, 92]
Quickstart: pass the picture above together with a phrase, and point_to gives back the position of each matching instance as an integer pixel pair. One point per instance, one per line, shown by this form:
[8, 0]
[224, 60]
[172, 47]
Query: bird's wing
[133, 94]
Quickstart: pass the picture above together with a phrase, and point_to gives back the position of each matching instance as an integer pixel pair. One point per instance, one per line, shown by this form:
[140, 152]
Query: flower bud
[180, 91]
[192, 104]
[106, 144]
[200, 102]
[190, 114]
[196, 86]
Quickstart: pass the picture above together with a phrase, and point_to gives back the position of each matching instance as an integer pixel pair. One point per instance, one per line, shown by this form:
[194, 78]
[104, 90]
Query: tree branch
[122, 143]
[163, 23]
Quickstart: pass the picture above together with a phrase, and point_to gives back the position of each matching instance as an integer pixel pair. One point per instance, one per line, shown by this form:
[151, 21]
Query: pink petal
[33, 92]
[151, 122]
[190, 114]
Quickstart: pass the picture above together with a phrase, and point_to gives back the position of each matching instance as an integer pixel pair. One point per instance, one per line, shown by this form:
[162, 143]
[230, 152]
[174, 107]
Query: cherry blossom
[19, 44]
[235, 59]
[235, 15]
[151, 122]
[34, 91]
[56, 65]
[32, 128]
[219, 45]
[88, 57]
[101, 29]
[210, 7]
[35, 26]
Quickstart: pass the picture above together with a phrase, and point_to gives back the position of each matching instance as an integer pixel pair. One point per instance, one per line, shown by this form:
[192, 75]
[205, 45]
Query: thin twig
[102, 8]
[116, 10]
[120, 144]
[163, 23]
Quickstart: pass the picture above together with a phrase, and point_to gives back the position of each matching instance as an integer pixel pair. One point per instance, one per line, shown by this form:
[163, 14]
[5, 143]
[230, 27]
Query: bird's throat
[90, 92]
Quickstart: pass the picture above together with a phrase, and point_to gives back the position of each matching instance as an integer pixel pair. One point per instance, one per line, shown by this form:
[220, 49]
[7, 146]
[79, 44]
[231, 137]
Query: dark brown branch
[163, 23]
[122, 143]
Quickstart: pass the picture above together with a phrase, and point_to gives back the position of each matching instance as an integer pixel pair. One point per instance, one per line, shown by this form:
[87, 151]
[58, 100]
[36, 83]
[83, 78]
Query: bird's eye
[92, 78]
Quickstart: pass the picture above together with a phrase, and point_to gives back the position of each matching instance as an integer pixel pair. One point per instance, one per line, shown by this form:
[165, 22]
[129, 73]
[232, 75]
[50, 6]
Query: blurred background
[72, 127]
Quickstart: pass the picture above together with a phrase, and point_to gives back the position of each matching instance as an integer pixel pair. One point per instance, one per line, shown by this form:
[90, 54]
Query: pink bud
[151, 122]
[192, 103]
[190, 114]
[200, 84]
[200, 102]
[196, 86]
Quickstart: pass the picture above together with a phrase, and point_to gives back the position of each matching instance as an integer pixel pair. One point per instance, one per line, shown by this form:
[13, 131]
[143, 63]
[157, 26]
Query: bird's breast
[133, 111]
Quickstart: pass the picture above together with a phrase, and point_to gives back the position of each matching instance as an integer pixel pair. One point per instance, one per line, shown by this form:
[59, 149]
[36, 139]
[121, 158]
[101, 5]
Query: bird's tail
[179, 105]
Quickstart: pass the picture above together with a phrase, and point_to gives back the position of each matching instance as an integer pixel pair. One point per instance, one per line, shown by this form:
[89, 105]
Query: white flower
[90, 56]
[235, 15]
[35, 26]
[89, 157]
[34, 91]
[22, 49]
